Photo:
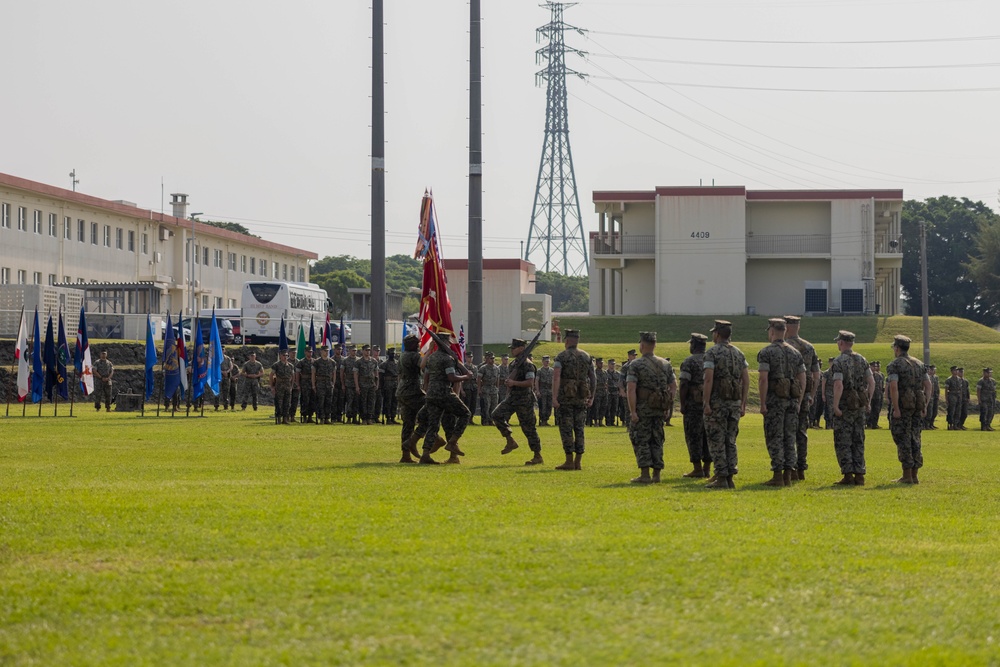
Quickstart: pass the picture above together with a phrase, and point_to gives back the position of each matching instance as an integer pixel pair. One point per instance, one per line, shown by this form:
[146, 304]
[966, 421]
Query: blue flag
[171, 363]
[62, 358]
[312, 337]
[37, 375]
[82, 361]
[282, 338]
[215, 357]
[200, 362]
[342, 337]
[150, 358]
[50, 360]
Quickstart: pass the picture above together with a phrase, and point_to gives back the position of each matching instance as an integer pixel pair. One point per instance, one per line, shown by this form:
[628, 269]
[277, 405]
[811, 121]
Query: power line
[811, 90]
[700, 63]
[674, 38]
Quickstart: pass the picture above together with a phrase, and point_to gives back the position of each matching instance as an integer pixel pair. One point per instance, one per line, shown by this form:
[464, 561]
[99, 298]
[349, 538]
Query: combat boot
[439, 442]
[407, 458]
[776, 480]
[907, 477]
[568, 465]
[729, 482]
[427, 460]
[847, 481]
[452, 446]
[510, 446]
[656, 477]
[789, 476]
[536, 460]
[576, 462]
[913, 475]
[859, 479]
[643, 477]
[696, 472]
[720, 482]
[453, 459]
[800, 474]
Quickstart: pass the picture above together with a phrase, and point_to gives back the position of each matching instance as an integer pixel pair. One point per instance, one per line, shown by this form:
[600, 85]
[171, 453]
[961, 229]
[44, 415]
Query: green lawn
[227, 540]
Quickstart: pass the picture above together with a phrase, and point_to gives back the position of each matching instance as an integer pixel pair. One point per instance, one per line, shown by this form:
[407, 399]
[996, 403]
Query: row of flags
[41, 367]
[206, 366]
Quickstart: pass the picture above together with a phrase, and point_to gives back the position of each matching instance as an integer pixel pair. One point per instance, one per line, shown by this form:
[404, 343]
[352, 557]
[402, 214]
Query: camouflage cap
[517, 342]
[791, 319]
[845, 336]
[366, 347]
[954, 368]
[776, 323]
[599, 360]
[631, 352]
[932, 367]
[545, 356]
[647, 336]
[414, 336]
[571, 333]
[721, 323]
[488, 355]
[698, 338]
[987, 370]
[901, 341]
[961, 369]
[611, 361]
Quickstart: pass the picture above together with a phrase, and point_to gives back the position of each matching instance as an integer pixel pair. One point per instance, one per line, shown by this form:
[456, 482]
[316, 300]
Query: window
[206, 258]
[253, 266]
[302, 275]
[5, 215]
[204, 301]
[68, 228]
[93, 233]
[145, 243]
[218, 259]
[232, 261]
[38, 221]
[274, 270]
[107, 236]
[67, 279]
[815, 300]
[37, 278]
[119, 233]
[243, 263]
[263, 267]
[218, 302]
[80, 281]
[131, 241]
[4, 275]
[852, 300]
[53, 224]
[52, 279]
[22, 277]
[22, 219]
[284, 272]
[232, 303]
[197, 255]
[81, 231]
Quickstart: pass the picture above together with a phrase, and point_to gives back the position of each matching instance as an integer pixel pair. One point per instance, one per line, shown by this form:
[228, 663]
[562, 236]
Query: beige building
[52, 236]
[729, 250]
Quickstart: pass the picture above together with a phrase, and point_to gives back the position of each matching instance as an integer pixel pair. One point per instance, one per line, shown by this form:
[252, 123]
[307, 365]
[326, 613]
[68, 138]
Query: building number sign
[699, 235]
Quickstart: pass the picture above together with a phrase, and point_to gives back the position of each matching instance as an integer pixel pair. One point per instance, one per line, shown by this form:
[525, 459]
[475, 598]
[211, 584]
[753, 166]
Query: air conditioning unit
[165, 234]
[197, 284]
[157, 257]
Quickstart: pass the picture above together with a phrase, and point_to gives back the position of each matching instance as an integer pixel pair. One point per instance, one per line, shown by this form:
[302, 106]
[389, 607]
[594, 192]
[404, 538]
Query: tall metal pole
[475, 183]
[378, 180]
[923, 292]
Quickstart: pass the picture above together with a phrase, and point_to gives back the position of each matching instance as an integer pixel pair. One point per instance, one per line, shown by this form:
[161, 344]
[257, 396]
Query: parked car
[225, 330]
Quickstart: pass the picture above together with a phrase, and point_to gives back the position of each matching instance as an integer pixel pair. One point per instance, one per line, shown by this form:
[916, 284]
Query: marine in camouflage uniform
[366, 384]
[648, 383]
[470, 396]
[876, 411]
[986, 396]
[388, 383]
[953, 395]
[252, 372]
[376, 411]
[614, 379]
[853, 386]
[441, 401]
[932, 407]
[338, 393]
[827, 382]
[282, 377]
[670, 402]
[487, 384]
[599, 407]
[225, 383]
[102, 370]
[325, 376]
[816, 410]
[727, 384]
[811, 363]
[782, 382]
[966, 400]
[691, 395]
[410, 399]
[573, 384]
[543, 390]
[503, 370]
[351, 398]
[520, 400]
[622, 395]
[306, 382]
[909, 391]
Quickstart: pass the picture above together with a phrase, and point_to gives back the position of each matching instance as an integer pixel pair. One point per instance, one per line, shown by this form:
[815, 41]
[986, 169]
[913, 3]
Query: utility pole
[556, 225]
[76, 181]
[923, 291]
[475, 182]
[378, 316]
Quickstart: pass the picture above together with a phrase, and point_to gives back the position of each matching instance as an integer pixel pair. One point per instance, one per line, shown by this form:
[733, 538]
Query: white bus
[265, 302]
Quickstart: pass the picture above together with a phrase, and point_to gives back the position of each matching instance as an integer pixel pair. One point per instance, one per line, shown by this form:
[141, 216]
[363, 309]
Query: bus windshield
[264, 292]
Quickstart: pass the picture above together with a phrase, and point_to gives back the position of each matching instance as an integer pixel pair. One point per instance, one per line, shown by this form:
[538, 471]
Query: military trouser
[376, 404]
[307, 400]
[876, 411]
[293, 404]
[670, 409]
[471, 399]
[816, 410]
[524, 407]
[695, 435]
[849, 441]
[963, 412]
[251, 387]
[611, 410]
[488, 403]
[223, 395]
[544, 405]
[366, 403]
[598, 409]
[351, 401]
[437, 407]
[323, 401]
[986, 411]
[647, 442]
[571, 420]
[623, 410]
[780, 425]
[103, 393]
[802, 435]
[722, 428]
[954, 408]
[413, 415]
[932, 410]
[389, 408]
[828, 410]
[906, 435]
[282, 401]
[336, 402]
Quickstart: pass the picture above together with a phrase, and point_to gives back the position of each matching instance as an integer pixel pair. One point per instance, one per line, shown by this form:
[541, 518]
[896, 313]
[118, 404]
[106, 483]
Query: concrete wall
[788, 217]
[704, 274]
[502, 290]
[848, 246]
[777, 286]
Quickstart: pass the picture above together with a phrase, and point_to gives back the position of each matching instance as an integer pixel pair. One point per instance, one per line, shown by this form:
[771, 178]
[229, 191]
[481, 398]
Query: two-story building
[729, 250]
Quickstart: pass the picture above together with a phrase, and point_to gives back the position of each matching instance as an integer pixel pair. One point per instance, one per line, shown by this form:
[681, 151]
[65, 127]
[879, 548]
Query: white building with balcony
[729, 250]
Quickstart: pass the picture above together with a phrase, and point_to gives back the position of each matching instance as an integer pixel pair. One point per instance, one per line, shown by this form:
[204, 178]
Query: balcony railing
[788, 244]
[888, 244]
[618, 244]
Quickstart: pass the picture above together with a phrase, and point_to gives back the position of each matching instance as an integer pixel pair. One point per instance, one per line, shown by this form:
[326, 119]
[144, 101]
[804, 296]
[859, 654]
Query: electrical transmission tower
[556, 226]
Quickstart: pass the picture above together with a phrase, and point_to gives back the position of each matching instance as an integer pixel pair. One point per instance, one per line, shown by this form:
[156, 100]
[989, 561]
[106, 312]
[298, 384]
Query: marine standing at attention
[812, 364]
[103, 370]
[909, 394]
[691, 397]
[782, 383]
[853, 386]
[727, 385]
[986, 396]
[573, 384]
[648, 384]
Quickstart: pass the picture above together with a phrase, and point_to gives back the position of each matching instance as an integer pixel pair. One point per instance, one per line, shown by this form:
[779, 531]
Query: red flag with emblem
[435, 307]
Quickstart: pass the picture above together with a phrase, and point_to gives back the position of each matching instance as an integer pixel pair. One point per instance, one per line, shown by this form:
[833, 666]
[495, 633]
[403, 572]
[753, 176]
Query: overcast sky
[261, 111]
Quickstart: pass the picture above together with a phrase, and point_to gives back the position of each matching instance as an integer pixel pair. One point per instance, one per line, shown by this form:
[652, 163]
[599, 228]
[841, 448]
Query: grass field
[227, 540]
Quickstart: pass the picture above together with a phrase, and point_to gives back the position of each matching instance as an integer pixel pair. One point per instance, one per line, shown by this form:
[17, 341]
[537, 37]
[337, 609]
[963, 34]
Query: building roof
[145, 214]
[633, 196]
[514, 264]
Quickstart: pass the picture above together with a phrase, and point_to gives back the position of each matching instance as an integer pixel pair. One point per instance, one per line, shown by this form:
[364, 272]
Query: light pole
[192, 257]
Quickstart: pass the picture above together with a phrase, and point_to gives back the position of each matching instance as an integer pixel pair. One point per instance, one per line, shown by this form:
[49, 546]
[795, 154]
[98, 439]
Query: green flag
[300, 345]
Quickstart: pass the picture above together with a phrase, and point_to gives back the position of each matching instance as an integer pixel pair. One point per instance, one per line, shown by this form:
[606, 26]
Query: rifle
[526, 352]
[445, 347]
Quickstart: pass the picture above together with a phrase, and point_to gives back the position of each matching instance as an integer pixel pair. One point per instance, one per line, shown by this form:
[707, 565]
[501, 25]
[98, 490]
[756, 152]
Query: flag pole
[13, 362]
[72, 391]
